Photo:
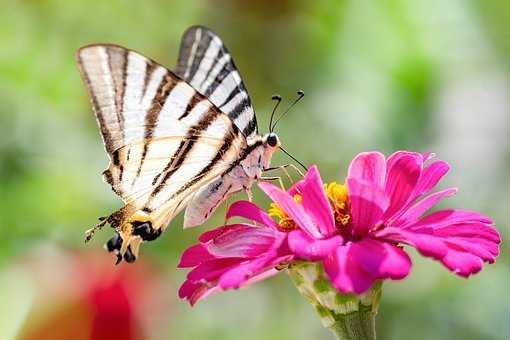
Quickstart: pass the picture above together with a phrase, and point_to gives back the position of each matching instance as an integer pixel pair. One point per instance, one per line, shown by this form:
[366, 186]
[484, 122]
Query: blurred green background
[418, 75]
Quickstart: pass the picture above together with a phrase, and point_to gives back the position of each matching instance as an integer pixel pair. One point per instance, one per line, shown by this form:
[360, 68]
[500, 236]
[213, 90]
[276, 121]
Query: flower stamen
[285, 222]
[339, 199]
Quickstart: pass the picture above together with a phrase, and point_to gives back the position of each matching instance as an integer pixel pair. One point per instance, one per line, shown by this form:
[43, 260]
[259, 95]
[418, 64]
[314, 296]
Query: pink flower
[387, 199]
[356, 231]
[234, 255]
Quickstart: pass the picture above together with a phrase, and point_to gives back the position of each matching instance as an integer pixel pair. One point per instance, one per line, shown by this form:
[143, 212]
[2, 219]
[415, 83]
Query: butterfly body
[175, 140]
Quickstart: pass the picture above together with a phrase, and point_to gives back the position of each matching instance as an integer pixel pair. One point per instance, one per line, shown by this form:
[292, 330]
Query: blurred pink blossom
[82, 296]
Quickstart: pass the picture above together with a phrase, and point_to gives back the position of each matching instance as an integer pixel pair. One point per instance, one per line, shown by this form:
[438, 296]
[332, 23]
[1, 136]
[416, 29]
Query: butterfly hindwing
[205, 63]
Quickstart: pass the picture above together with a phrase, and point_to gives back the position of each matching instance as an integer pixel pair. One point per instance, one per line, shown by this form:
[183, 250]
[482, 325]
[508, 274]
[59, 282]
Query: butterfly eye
[272, 140]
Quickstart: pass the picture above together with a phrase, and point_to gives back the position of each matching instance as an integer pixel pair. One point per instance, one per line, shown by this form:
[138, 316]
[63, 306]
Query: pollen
[339, 199]
[284, 221]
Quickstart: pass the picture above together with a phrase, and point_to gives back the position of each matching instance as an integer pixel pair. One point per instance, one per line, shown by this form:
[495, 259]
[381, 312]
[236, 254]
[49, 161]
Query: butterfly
[184, 139]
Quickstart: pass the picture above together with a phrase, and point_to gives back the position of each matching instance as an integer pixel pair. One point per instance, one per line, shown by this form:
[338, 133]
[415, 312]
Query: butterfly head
[271, 140]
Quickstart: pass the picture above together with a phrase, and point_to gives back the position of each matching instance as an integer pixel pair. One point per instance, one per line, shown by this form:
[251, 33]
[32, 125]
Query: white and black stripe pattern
[163, 137]
[122, 85]
[205, 63]
[174, 140]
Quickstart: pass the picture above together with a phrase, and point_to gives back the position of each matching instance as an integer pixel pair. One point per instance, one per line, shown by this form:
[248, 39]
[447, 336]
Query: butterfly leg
[275, 178]
[249, 193]
[298, 170]
[283, 168]
[290, 165]
[227, 204]
[90, 233]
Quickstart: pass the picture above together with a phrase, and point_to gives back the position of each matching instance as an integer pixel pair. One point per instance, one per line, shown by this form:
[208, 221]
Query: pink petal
[345, 272]
[462, 263]
[195, 291]
[294, 189]
[412, 214]
[430, 176]
[402, 174]
[242, 240]
[427, 244]
[369, 167]
[463, 251]
[188, 288]
[316, 203]
[428, 156]
[368, 203]
[294, 210]
[194, 255]
[211, 234]
[475, 248]
[240, 275]
[443, 218]
[381, 259]
[213, 269]
[491, 247]
[262, 276]
[355, 267]
[307, 248]
[250, 211]
[470, 230]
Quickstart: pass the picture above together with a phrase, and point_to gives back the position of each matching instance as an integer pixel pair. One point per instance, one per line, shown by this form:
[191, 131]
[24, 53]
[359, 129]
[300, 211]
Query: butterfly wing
[205, 63]
[165, 140]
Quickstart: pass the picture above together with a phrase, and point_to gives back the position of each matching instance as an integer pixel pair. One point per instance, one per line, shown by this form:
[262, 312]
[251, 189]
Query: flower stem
[349, 317]
[355, 325]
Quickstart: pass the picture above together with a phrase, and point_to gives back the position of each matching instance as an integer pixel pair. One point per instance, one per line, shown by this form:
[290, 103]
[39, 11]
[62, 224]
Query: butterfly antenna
[300, 94]
[294, 158]
[278, 99]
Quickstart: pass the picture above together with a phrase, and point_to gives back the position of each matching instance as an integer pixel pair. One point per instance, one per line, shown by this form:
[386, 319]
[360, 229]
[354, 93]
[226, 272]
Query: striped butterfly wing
[164, 139]
[205, 63]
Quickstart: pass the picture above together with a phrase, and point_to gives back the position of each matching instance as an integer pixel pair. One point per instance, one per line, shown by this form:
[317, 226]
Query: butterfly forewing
[163, 137]
[205, 63]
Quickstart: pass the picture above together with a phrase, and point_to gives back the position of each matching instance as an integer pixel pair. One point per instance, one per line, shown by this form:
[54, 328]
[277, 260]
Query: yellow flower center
[338, 198]
[284, 221]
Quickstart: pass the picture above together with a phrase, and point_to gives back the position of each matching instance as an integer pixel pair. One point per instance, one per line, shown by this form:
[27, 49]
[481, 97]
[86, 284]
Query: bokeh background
[424, 75]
